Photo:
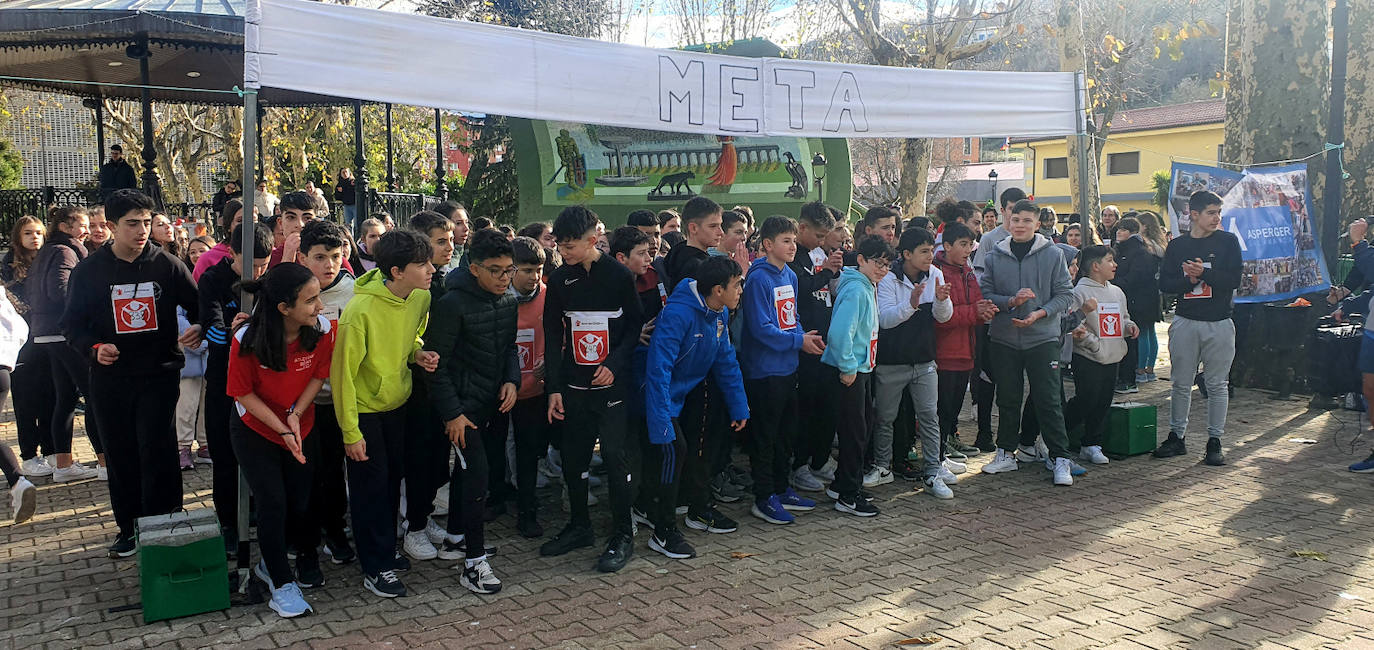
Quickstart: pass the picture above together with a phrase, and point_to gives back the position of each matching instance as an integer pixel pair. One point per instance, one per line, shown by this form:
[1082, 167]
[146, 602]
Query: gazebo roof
[195, 45]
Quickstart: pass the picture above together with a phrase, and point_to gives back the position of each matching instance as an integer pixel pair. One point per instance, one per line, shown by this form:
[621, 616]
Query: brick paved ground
[1142, 553]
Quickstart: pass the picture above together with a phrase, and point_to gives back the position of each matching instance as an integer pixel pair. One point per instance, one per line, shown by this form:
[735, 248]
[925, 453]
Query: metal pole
[390, 160]
[360, 163]
[1084, 177]
[440, 188]
[262, 169]
[99, 132]
[250, 186]
[1335, 133]
[151, 187]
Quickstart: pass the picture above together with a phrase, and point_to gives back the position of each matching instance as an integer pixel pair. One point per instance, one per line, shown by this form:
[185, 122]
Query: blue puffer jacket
[689, 341]
[768, 347]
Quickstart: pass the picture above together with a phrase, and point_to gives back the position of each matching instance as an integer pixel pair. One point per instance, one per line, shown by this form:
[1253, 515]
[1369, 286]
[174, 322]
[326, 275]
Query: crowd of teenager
[447, 369]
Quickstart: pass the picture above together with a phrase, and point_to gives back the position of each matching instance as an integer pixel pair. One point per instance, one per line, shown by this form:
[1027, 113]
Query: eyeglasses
[498, 272]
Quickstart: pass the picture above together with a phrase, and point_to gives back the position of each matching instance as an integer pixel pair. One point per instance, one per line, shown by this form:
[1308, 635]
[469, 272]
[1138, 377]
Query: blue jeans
[351, 215]
[1149, 346]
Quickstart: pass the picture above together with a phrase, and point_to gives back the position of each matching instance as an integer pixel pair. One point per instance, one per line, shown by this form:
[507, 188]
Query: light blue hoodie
[852, 343]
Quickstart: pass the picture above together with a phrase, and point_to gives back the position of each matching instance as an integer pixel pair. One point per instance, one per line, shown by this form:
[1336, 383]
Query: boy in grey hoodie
[1024, 275]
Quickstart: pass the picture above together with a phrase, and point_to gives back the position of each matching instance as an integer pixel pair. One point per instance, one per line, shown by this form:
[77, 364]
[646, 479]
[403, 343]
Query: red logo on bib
[135, 309]
[785, 303]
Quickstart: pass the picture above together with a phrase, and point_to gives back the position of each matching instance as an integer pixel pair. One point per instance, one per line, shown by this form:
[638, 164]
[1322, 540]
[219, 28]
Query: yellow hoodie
[374, 348]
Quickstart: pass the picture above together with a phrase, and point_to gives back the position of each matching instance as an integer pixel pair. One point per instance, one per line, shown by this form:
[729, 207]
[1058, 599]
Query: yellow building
[1141, 141]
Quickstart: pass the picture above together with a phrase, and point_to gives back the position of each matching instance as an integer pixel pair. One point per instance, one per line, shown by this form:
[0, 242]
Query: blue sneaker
[794, 502]
[1365, 466]
[771, 511]
[288, 602]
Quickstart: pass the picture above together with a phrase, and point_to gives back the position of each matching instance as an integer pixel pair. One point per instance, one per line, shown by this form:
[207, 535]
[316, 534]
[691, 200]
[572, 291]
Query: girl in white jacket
[1099, 345]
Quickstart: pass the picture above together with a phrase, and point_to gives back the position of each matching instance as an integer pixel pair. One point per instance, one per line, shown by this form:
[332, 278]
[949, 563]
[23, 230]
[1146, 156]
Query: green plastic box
[1131, 429]
[182, 571]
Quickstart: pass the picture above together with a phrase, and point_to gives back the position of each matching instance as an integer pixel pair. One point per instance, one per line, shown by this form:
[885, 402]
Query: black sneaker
[672, 544]
[617, 553]
[402, 562]
[1171, 447]
[909, 472]
[123, 546]
[856, 505]
[528, 526]
[984, 442]
[830, 492]
[338, 549]
[450, 550]
[385, 584]
[308, 573]
[571, 538]
[967, 450]
[1213, 455]
[712, 521]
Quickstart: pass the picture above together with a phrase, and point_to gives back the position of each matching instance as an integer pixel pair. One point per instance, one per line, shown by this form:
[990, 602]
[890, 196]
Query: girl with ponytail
[278, 361]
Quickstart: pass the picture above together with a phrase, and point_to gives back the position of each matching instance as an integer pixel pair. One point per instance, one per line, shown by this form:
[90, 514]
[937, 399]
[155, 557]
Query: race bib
[873, 348]
[1202, 290]
[135, 308]
[785, 303]
[524, 348]
[1109, 323]
[591, 338]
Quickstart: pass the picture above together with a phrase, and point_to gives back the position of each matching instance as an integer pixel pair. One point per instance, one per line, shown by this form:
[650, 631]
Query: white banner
[416, 60]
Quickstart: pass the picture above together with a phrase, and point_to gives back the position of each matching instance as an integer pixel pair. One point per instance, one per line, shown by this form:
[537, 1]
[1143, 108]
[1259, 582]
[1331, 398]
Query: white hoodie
[1107, 326]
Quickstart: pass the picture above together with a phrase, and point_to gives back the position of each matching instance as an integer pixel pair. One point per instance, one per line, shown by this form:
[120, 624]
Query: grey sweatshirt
[1042, 271]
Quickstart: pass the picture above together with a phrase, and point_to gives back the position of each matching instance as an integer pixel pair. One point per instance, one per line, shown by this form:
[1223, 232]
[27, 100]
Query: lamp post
[818, 172]
[992, 176]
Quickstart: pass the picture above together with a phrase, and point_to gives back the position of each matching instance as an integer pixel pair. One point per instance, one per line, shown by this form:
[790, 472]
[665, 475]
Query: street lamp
[818, 172]
[992, 176]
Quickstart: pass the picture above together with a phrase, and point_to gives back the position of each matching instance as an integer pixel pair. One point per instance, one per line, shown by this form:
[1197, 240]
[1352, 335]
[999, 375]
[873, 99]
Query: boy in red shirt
[954, 339]
[529, 416]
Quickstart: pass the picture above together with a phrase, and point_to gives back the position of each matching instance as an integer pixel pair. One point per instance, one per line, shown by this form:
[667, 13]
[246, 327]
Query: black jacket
[16, 285]
[343, 191]
[1220, 253]
[681, 262]
[607, 290]
[116, 175]
[222, 197]
[473, 330]
[218, 301]
[814, 301]
[46, 288]
[1136, 272]
[132, 305]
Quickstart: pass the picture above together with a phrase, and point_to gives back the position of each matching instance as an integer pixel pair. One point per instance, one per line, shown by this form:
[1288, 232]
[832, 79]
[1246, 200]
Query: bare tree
[711, 21]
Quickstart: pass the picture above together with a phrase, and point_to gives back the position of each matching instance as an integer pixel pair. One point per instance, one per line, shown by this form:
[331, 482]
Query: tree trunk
[1069, 27]
[1278, 73]
[1358, 156]
[915, 170]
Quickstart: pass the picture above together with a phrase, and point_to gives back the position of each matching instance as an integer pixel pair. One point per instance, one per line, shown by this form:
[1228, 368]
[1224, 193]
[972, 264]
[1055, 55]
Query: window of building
[1121, 164]
[968, 146]
[1056, 168]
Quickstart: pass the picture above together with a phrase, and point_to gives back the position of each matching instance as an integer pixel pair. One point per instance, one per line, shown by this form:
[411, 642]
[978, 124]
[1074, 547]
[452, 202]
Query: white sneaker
[549, 467]
[1027, 454]
[937, 488]
[441, 502]
[947, 476]
[36, 466]
[1094, 455]
[827, 471]
[877, 476]
[954, 466]
[73, 472]
[418, 546]
[23, 500]
[1005, 461]
[102, 473]
[479, 578]
[804, 480]
[435, 533]
[1063, 472]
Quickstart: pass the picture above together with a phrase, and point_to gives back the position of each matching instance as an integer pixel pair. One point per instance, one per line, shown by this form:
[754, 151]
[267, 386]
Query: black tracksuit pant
[772, 418]
[817, 411]
[854, 434]
[374, 488]
[953, 386]
[694, 487]
[71, 375]
[658, 490]
[219, 415]
[530, 420]
[427, 451]
[137, 419]
[33, 401]
[603, 414]
[468, 485]
[328, 492]
[1093, 388]
[984, 391]
[9, 465]
[281, 488]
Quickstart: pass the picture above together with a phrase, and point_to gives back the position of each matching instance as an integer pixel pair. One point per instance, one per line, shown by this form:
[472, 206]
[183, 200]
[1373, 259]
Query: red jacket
[954, 339]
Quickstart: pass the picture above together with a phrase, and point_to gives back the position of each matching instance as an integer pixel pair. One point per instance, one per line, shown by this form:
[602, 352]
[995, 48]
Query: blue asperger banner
[1269, 209]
